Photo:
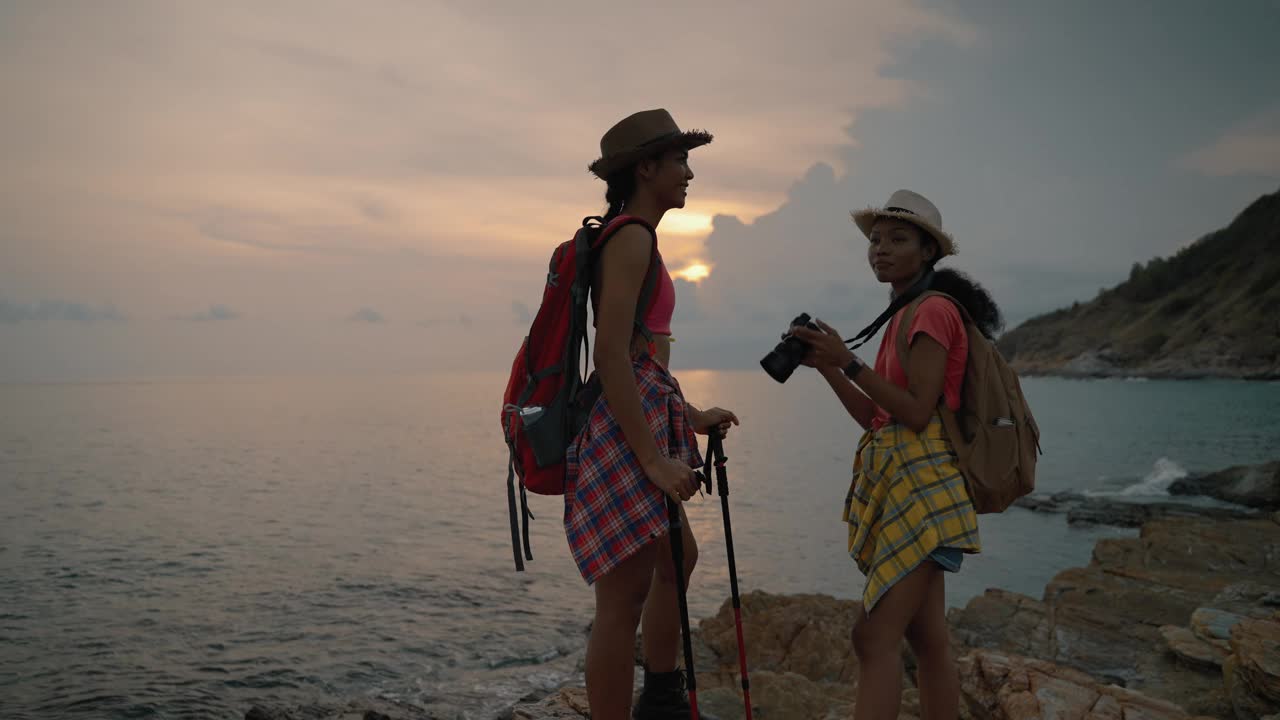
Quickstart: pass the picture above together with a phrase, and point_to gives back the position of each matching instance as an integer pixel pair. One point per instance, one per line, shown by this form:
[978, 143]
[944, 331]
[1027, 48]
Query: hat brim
[603, 167]
[866, 219]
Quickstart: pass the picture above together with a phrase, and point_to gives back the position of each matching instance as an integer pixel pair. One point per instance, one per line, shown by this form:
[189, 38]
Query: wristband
[853, 368]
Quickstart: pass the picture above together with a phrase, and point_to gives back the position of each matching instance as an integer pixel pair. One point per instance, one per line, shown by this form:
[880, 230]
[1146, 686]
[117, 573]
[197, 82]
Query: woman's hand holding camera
[826, 349]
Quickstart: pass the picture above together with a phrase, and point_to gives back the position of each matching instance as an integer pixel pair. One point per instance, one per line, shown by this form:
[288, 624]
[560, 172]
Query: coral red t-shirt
[938, 318]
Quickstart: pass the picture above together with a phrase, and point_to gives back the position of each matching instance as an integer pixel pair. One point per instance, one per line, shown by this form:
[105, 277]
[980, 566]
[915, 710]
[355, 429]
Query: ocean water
[184, 549]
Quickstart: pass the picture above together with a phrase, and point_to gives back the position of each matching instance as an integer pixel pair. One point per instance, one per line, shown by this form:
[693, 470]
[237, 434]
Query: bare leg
[930, 640]
[877, 639]
[620, 597]
[660, 628]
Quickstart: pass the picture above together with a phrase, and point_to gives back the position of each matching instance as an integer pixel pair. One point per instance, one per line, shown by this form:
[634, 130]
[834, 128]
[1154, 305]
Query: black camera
[785, 358]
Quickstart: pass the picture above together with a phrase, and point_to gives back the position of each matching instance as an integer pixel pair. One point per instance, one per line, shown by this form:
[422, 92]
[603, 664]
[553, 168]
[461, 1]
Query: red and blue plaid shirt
[611, 509]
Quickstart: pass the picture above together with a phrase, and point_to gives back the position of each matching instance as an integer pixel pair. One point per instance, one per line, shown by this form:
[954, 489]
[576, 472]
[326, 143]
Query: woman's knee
[620, 595]
[690, 554]
[929, 640]
[928, 632]
[666, 568]
[621, 608]
[859, 637]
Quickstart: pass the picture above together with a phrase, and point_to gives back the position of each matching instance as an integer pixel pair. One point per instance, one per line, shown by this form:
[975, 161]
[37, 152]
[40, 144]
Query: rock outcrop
[1155, 614]
[1084, 510]
[1255, 486]
[1182, 621]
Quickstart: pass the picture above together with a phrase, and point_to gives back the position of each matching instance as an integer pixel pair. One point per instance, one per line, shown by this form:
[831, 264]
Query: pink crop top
[664, 303]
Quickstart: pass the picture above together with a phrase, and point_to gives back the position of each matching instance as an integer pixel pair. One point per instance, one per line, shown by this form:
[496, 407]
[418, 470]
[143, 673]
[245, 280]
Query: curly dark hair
[975, 299]
[972, 296]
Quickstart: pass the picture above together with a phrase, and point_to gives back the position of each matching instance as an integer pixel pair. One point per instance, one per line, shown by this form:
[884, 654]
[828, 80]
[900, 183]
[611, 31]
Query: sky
[301, 188]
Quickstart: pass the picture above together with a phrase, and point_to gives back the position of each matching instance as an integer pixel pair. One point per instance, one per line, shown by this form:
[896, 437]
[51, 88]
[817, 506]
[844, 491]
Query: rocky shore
[1182, 621]
[1095, 364]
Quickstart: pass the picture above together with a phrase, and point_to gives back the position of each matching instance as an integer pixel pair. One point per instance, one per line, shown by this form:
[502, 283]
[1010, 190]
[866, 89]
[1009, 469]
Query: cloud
[402, 158]
[804, 257]
[265, 230]
[687, 296]
[467, 320]
[1251, 148]
[470, 123]
[56, 310]
[376, 211]
[520, 313]
[807, 256]
[214, 313]
[366, 315]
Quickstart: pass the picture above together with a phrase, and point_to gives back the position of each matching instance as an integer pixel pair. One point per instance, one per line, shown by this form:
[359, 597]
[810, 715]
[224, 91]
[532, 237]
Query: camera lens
[779, 364]
[783, 360]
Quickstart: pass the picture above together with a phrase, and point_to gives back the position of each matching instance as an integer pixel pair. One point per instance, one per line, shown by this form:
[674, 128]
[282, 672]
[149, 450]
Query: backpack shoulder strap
[648, 289]
[909, 315]
[904, 327]
[964, 312]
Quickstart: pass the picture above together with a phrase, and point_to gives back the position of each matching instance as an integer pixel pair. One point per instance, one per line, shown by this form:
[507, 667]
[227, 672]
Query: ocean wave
[1155, 483]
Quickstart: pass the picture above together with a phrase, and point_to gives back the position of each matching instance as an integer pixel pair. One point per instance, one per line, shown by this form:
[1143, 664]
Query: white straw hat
[913, 208]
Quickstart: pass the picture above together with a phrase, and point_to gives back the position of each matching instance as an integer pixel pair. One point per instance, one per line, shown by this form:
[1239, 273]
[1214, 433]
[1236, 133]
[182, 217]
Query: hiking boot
[664, 698]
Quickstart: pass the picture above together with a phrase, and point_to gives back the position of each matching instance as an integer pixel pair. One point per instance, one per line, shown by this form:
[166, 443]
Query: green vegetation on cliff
[1212, 309]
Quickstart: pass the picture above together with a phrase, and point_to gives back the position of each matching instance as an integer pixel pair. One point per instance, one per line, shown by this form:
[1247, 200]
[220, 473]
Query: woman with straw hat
[909, 514]
[637, 449]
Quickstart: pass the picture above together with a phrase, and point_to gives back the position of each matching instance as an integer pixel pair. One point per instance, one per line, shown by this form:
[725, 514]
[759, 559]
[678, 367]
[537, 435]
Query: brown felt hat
[643, 135]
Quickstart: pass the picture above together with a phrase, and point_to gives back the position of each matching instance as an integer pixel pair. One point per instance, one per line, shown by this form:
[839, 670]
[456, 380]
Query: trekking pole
[715, 453]
[677, 556]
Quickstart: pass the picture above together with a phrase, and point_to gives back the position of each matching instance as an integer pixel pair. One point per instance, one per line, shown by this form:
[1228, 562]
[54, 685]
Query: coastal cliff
[1210, 310]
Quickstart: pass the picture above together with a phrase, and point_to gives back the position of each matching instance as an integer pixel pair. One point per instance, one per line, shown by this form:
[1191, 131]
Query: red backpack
[545, 406]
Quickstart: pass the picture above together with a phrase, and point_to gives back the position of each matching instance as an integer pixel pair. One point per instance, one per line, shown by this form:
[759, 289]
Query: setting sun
[682, 222]
[693, 272]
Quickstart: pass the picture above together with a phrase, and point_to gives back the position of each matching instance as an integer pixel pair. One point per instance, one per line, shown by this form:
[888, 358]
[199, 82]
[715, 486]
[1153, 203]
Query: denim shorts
[947, 558]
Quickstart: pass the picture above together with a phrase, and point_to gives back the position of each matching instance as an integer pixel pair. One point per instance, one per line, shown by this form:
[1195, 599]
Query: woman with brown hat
[637, 449]
[909, 514]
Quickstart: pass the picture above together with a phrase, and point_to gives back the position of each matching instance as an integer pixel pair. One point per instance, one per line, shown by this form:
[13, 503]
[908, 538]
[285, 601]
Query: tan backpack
[995, 437]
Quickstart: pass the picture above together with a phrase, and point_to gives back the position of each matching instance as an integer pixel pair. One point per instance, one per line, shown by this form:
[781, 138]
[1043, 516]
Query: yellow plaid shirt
[907, 499]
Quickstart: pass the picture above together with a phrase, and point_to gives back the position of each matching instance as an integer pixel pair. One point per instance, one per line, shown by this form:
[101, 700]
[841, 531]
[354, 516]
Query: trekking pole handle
[717, 458]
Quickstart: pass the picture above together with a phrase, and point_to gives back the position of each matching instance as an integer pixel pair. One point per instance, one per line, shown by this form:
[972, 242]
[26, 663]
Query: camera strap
[899, 302]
